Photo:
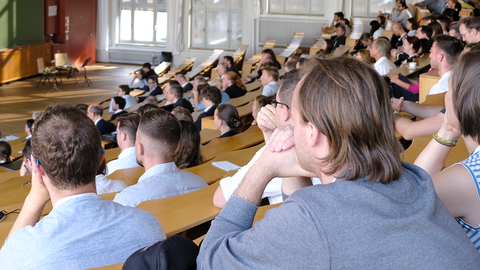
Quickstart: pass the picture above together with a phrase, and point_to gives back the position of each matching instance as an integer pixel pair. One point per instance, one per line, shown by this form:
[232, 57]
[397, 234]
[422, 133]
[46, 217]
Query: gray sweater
[343, 225]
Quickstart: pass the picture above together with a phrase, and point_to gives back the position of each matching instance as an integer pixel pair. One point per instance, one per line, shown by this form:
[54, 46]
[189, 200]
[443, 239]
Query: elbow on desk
[218, 198]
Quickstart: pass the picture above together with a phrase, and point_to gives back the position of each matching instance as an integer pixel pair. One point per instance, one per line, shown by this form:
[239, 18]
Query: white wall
[178, 30]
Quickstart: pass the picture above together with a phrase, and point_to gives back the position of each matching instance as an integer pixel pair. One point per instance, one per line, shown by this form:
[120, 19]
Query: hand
[282, 139]
[447, 131]
[39, 192]
[266, 121]
[393, 52]
[282, 164]
[394, 78]
[195, 92]
[397, 104]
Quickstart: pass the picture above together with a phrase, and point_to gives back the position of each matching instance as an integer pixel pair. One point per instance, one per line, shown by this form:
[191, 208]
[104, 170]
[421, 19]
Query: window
[371, 8]
[296, 7]
[216, 24]
[143, 21]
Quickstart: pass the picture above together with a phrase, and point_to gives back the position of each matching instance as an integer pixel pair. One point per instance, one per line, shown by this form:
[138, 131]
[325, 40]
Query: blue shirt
[225, 99]
[160, 181]
[79, 233]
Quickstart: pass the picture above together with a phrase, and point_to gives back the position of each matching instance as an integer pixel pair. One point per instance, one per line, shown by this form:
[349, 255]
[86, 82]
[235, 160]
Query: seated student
[84, 107]
[174, 94]
[228, 60]
[153, 88]
[187, 86]
[95, 113]
[147, 67]
[226, 120]
[337, 16]
[390, 205]
[379, 50]
[268, 56]
[411, 45]
[458, 185]
[218, 83]
[5, 152]
[26, 168]
[233, 85]
[188, 151]
[140, 80]
[82, 230]
[211, 97]
[346, 23]
[364, 56]
[29, 128]
[157, 138]
[405, 87]
[105, 185]
[290, 65]
[272, 116]
[269, 80]
[124, 92]
[444, 22]
[434, 6]
[424, 33]
[436, 28]
[341, 38]
[118, 105]
[364, 42]
[400, 13]
[412, 26]
[146, 107]
[470, 29]
[444, 52]
[399, 33]
[182, 114]
[374, 28]
[126, 135]
[452, 15]
[259, 102]
[455, 32]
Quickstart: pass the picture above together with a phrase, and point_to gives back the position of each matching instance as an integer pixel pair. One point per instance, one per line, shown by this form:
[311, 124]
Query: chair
[46, 73]
[61, 64]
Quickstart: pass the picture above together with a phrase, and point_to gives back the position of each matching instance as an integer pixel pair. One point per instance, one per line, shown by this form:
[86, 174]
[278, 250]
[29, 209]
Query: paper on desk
[10, 138]
[225, 165]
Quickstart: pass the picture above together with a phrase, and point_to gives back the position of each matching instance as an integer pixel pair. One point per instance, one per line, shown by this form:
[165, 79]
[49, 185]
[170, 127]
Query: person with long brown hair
[233, 85]
[188, 152]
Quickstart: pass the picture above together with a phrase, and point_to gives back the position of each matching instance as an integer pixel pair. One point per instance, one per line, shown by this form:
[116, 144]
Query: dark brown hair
[229, 114]
[68, 146]
[348, 102]
[451, 47]
[125, 88]
[176, 90]
[145, 108]
[188, 152]
[128, 123]
[465, 80]
[161, 127]
[471, 23]
[271, 71]
[213, 94]
[5, 151]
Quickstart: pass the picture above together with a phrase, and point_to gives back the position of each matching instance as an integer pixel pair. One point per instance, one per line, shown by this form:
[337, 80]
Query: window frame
[307, 11]
[369, 13]
[132, 6]
[205, 8]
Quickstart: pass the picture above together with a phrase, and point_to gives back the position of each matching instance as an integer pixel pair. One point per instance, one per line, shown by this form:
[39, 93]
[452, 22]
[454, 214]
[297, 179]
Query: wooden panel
[21, 62]
[427, 80]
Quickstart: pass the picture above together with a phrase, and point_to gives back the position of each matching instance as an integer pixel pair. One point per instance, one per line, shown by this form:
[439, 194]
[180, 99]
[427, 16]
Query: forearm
[410, 130]
[432, 158]
[254, 183]
[30, 213]
[421, 110]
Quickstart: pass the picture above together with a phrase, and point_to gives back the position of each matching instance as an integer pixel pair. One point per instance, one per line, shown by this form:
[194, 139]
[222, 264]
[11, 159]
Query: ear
[102, 157]
[474, 31]
[141, 148]
[285, 113]
[37, 169]
[123, 136]
[313, 135]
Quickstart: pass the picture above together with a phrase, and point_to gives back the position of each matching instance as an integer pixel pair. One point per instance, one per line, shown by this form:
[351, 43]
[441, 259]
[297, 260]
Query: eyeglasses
[275, 103]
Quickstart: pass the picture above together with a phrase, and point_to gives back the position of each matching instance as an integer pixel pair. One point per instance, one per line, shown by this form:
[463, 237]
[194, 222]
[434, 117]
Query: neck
[471, 144]
[128, 145]
[377, 57]
[442, 70]
[56, 194]
[96, 118]
[149, 162]
[224, 129]
[208, 103]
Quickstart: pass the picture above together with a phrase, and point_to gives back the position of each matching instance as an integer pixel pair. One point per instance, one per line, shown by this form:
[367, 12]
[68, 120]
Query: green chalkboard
[22, 22]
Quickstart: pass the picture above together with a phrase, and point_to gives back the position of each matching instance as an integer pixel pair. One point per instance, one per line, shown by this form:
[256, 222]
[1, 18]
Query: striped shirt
[472, 164]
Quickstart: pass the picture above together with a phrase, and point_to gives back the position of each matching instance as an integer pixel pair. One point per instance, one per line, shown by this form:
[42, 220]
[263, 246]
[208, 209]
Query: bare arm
[420, 110]
[410, 129]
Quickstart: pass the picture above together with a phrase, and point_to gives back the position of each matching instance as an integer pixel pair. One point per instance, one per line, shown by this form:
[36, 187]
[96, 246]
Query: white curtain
[178, 21]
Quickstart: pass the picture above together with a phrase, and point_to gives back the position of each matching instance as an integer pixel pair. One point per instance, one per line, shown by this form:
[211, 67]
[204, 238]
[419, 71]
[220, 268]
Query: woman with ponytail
[226, 120]
[233, 85]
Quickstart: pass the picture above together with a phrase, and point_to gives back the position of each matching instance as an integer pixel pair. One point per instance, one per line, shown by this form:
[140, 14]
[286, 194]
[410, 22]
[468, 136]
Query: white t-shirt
[383, 66]
[442, 85]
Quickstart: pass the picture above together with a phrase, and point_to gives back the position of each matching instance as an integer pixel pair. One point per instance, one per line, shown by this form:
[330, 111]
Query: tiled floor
[18, 100]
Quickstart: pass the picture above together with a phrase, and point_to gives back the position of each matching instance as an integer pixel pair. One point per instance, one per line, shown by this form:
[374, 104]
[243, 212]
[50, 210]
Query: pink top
[415, 88]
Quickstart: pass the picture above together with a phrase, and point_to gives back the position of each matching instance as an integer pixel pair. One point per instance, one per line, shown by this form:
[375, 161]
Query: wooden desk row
[204, 68]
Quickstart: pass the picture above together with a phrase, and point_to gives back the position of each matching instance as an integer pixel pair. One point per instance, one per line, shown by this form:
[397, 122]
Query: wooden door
[82, 30]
